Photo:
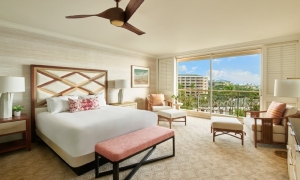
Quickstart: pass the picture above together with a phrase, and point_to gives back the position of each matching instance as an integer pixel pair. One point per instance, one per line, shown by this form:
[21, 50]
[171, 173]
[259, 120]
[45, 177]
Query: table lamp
[289, 87]
[121, 84]
[9, 85]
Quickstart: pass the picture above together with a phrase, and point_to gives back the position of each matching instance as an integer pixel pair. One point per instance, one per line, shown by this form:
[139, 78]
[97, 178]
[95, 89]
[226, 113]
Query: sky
[238, 69]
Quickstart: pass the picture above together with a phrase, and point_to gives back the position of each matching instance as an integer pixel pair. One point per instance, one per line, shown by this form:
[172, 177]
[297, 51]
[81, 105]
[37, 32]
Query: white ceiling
[171, 26]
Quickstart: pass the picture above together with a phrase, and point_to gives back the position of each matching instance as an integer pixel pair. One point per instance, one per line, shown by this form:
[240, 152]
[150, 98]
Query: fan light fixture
[117, 23]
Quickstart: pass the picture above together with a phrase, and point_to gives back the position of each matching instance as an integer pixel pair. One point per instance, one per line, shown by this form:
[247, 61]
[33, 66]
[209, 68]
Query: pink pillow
[276, 109]
[83, 104]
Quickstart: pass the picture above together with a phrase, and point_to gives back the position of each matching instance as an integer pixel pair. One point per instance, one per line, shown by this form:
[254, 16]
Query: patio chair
[156, 102]
[271, 128]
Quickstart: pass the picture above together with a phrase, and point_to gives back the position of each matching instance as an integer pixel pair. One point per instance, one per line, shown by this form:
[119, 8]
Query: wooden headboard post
[53, 81]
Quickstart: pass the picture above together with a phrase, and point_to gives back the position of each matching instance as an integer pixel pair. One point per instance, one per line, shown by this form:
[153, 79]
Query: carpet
[197, 158]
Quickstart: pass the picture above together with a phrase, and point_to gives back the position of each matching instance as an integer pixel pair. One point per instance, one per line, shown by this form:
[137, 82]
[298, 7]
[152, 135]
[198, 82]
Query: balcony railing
[227, 102]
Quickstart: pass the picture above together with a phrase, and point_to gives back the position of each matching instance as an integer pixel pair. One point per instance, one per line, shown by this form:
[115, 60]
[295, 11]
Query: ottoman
[226, 125]
[170, 115]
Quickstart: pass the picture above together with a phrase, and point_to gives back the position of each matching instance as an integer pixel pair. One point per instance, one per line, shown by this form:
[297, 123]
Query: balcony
[224, 102]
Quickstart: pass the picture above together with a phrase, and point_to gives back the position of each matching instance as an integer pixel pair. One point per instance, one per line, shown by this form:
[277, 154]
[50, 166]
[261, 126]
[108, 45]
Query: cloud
[217, 61]
[184, 69]
[194, 68]
[236, 77]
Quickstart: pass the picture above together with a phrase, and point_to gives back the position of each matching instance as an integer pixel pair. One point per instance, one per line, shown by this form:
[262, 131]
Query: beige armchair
[156, 102]
[263, 130]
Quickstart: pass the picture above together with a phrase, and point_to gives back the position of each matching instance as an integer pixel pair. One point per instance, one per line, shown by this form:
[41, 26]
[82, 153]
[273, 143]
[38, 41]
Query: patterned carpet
[197, 157]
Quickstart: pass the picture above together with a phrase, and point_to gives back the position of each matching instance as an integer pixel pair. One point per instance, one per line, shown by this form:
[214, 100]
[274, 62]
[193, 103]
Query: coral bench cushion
[121, 147]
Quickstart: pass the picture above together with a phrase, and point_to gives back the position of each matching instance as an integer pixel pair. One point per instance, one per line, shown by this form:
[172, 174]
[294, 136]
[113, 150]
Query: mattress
[78, 133]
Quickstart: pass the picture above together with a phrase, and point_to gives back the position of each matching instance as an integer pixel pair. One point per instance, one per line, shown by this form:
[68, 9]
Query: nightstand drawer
[126, 104]
[11, 127]
[130, 106]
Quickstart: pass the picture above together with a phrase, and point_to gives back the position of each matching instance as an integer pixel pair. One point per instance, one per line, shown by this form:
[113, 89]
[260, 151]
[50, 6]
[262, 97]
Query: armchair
[156, 102]
[267, 129]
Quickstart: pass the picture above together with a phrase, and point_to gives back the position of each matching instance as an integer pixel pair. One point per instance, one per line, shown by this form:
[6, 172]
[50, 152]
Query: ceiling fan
[117, 16]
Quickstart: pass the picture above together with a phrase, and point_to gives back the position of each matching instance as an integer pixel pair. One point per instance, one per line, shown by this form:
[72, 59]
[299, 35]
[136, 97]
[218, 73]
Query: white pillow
[59, 104]
[102, 101]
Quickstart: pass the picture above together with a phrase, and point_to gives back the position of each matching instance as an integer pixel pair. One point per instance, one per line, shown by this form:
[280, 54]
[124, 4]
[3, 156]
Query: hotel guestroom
[115, 79]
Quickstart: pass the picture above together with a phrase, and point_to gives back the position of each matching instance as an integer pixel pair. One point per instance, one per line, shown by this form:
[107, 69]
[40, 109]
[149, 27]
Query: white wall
[19, 49]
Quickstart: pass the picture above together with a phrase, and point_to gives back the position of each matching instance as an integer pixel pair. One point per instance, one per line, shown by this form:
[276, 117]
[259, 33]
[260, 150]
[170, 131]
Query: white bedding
[78, 133]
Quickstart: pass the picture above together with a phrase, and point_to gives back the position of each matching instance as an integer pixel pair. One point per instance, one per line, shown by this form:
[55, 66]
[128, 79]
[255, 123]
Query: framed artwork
[140, 76]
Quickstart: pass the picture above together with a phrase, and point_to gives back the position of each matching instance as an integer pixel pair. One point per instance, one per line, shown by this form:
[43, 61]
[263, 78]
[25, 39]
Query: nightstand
[126, 104]
[13, 125]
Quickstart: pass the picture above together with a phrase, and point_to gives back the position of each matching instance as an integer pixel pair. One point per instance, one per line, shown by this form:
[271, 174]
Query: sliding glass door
[220, 84]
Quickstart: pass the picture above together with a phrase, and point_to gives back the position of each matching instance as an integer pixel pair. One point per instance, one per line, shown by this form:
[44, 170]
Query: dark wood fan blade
[80, 16]
[107, 14]
[132, 6]
[132, 29]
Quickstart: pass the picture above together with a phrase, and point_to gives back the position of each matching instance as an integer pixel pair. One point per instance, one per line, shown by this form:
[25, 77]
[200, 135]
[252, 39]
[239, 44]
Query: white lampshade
[8, 86]
[122, 83]
[12, 84]
[287, 87]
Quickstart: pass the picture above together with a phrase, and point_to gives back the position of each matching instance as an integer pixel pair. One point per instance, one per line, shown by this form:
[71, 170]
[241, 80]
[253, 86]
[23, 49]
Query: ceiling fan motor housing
[117, 16]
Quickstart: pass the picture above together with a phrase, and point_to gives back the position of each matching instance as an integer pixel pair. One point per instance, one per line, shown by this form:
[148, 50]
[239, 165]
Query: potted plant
[17, 110]
[175, 97]
[255, 107]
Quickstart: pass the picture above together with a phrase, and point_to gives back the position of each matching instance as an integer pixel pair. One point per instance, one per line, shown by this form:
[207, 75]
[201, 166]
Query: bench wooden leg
[170, 122]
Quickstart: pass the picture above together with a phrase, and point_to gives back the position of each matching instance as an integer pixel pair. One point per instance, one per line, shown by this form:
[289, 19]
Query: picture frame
[140, 76]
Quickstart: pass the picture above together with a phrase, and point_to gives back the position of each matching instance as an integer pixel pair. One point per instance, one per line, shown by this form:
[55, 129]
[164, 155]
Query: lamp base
[120, 96]
[6, 100]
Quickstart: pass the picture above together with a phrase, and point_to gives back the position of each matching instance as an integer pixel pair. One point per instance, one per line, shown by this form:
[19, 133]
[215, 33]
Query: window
[225, 83]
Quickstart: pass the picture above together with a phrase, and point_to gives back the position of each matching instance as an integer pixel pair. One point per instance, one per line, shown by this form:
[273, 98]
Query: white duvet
[78, 133]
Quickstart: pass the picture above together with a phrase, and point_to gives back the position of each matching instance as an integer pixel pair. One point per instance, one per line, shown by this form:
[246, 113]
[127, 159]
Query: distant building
[218, 82]
[186, 80]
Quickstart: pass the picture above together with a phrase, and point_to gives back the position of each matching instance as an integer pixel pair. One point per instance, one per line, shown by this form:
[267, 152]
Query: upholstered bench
[123, 147]
[227, 125]
[170, 115]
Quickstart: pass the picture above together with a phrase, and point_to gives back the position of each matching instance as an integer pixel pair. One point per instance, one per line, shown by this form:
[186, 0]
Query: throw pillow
[157, 99]
[276, 109]
[83, 104]
[100, 96]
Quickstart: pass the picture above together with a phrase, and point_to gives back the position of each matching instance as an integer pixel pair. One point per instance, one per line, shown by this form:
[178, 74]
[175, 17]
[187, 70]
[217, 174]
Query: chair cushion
[171, 113]
[289, 110]
[249, 122]
[157, 99]
[226, 123]
[158, 108]
[276, 109]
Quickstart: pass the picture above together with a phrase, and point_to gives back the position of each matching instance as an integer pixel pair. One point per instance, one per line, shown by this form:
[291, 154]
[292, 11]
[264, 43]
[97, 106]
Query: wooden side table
[13, 125]
[177, 105]
[126, 104]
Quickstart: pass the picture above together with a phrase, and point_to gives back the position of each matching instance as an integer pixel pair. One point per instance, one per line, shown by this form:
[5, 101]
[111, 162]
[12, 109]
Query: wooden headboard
[52, 81]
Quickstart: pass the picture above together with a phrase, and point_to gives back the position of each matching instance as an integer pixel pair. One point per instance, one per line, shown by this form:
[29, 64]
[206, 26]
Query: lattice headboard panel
[52, 81]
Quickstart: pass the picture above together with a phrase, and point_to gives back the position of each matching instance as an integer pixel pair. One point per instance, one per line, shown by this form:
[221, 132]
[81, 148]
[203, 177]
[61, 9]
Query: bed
[72, 136]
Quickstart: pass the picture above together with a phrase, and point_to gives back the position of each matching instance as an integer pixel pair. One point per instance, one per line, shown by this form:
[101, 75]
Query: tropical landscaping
[229, 99]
